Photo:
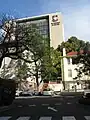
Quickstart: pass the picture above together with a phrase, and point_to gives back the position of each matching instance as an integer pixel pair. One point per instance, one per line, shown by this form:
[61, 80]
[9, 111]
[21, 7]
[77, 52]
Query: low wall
[56, 87]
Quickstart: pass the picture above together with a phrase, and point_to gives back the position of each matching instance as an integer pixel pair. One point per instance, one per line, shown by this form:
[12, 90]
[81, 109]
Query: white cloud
[75, 15]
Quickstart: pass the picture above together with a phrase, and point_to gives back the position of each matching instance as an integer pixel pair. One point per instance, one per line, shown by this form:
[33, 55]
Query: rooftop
[36, 17]
[75, 53]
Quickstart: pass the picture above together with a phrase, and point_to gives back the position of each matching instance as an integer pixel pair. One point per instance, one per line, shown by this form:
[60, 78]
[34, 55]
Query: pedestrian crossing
[44, 118]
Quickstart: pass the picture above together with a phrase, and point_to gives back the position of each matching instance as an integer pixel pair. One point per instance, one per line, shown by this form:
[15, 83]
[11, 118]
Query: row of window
[43, 32]
[73, 61]
[42, 24]
[43, 27]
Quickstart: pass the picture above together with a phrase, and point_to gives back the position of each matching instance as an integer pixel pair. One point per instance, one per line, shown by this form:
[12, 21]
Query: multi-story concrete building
[49, 25]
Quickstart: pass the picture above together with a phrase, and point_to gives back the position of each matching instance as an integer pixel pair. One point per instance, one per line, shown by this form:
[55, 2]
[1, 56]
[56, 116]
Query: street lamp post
[4, 67]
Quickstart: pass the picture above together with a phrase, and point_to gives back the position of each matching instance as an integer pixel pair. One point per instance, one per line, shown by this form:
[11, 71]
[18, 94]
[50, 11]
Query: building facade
[72, 82]
[49, 26]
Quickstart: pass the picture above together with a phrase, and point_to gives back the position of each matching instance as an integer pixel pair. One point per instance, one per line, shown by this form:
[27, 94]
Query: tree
[84, 59]
[56, 63]
[18, 40]
[9, 45]
[29, 46]
[51, 66]
[82, 48]
[72, 44]
[36, 50]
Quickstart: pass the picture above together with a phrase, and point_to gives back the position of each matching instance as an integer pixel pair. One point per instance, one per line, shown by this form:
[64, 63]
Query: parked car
[7, 91]
[48, 92]
[18, 93]
[36, 93]
[25, 93]
[85, 99]
[86, 93]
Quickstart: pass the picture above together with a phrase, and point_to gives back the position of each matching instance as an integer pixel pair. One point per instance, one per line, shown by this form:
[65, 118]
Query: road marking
[45, 104]
[68, 118]
[32, 105]
[69, 103]
[42, 117]
[52, 109]
[45, 118]
[70, 96]
[25, 97]
[87, 117]
[23, 118]
[58, 103]
[20, 106]
[4, 118]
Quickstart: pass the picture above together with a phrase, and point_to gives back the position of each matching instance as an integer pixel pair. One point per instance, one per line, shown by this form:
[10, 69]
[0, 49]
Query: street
[46, 108]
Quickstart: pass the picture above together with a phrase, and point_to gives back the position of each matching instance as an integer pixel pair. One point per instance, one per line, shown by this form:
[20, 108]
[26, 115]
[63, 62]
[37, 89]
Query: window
[68, 60]
[45, 36]
[69, 73]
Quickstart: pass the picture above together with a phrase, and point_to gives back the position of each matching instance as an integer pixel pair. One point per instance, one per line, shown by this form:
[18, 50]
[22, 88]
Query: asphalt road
[46, 108]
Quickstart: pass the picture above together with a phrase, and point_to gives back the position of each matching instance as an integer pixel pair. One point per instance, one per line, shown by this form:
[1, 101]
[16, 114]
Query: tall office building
[49, 25]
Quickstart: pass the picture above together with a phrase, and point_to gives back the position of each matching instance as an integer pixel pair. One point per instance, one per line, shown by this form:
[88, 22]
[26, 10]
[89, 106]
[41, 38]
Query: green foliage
[83, 54]
[56, 63]
[29, 46]
[85, 60]
[73, 44]
[51, 68]
[36, 51]
[4, 72]
[21, 70]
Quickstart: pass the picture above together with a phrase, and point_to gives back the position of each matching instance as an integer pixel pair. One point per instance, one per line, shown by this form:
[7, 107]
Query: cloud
[75, 16]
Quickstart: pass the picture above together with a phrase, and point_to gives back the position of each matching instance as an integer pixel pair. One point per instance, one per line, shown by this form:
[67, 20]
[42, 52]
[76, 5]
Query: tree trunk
[36, 75]
[1, 59]
[37, 78]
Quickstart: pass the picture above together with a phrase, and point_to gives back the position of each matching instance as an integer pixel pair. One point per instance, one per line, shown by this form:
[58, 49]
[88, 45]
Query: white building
[70, 73]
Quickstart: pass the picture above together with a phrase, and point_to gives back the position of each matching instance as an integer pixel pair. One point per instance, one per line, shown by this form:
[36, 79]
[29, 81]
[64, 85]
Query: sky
[76, 13]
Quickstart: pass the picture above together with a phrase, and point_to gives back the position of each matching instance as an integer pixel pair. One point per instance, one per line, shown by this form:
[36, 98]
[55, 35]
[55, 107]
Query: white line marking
[69, 103]
[58, 103]
[45, 118]
[70, 96]
[87, 117]
[25, 97]
[45, 104]
[32, 105]
[68, 118]
[20, 106]
[4, 118]
[52, 109]
[23, 118]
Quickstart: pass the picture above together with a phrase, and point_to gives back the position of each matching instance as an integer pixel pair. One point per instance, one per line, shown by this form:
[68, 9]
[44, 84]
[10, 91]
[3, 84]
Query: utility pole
[4, 68]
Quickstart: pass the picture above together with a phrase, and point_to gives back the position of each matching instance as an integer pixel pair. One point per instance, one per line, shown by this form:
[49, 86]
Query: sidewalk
[71, 93]
[43, 96]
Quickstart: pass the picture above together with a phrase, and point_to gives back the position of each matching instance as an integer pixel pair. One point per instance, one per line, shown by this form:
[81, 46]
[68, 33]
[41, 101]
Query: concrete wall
[56, 87]
[56, 29]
